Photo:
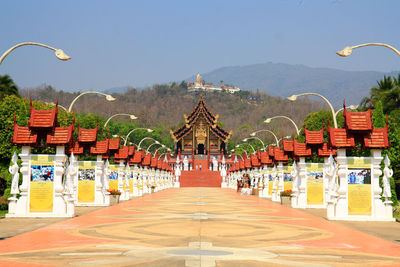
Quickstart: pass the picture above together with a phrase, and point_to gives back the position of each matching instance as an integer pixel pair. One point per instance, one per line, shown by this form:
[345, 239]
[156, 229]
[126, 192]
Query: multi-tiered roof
[42, 126]
[201, 110]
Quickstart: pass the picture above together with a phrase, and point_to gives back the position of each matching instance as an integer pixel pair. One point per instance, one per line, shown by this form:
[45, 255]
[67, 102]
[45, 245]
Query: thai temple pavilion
[201, 134]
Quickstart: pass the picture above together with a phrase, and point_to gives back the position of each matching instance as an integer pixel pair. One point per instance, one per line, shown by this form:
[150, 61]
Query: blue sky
[138, 43]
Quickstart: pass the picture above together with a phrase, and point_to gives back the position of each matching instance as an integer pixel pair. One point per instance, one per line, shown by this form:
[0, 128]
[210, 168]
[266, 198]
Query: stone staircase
[200, 178]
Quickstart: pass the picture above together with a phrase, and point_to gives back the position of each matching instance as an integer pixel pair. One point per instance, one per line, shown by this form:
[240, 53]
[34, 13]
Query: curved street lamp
[349, 49]
[51, 103]
[286, 137]
[161, 147]
[294, 97]
[148, 148]
[108, 97]
[133, 117]
[350, 107]
[116, 136]
[255, 137]
[243, 144]
[265, 130]
[60, 54]
[146, 138]
[126, 137]
[268, 120]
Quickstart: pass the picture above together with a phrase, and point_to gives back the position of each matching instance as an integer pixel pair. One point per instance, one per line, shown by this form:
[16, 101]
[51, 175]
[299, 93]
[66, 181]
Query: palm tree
[387, 91]
[7, 86]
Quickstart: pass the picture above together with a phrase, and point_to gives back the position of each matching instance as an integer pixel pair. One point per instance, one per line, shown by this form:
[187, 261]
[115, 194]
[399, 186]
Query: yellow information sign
[360, 199]
[41, 196]
[113, 184]
[90, 165]
[270, 187]
[86, 191]
[287, 169]
[131, 186]
[42, 160]
[315, 193]
[287, 185]
[316, 167]
[359, 163]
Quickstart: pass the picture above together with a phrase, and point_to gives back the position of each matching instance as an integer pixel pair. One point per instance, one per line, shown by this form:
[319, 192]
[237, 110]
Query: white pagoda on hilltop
[200, 85]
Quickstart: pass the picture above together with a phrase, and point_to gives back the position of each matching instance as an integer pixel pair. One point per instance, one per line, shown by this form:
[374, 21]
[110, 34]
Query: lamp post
[133, 117]
[148, 148]
[286, 137]
[146, 139]
[116, 135]
[350, 107]
[268, 120]
[265, 130]
[254, 151]
[349, 49]
[294, 97]
[108, 97]
[163, 146]
[58, 52]
[126, 137]
[51, 103]
[255, 137]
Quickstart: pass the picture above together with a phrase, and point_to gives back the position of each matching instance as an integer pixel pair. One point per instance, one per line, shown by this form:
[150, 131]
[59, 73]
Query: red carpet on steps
[203, 178]
[200, 179]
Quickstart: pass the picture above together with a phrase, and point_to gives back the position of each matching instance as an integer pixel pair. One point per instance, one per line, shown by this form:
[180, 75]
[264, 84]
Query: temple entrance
[200, 149]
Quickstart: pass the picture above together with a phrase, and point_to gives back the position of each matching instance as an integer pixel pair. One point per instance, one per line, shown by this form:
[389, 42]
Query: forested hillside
[164, 105]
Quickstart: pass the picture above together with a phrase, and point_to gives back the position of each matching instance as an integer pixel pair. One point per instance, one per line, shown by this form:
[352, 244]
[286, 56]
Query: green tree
[7, 86]
[387, 91]
[378, 118]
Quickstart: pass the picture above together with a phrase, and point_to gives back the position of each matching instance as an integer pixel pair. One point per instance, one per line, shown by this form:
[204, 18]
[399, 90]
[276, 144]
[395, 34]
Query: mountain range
[279, 79]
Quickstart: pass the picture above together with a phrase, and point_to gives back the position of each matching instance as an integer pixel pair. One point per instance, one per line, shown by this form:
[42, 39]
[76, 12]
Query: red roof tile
[247, 163]
[165, 165]
[301, 150]
[265, 158]
[241, 164]
[60, 135]
[23, 135]
[159, 164]
[131, 150]
[114, 144]
[122, 153]
[101, 147]
[279, 155]
[43, 118]
[287, 145]
[271, 151]
[358, 121]
[146, 160]
[340, 138]
[314, 137]
[137, 157]
[76, 148]
[326, 151]
[154, 162]
[87, 135]
[378, 138]
[254, 161]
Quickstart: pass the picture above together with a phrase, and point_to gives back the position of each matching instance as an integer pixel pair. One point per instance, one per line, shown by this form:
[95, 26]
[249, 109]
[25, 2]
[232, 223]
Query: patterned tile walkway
[197, 227]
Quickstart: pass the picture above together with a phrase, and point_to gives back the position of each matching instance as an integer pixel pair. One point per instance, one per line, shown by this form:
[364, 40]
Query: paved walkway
[197, 227]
